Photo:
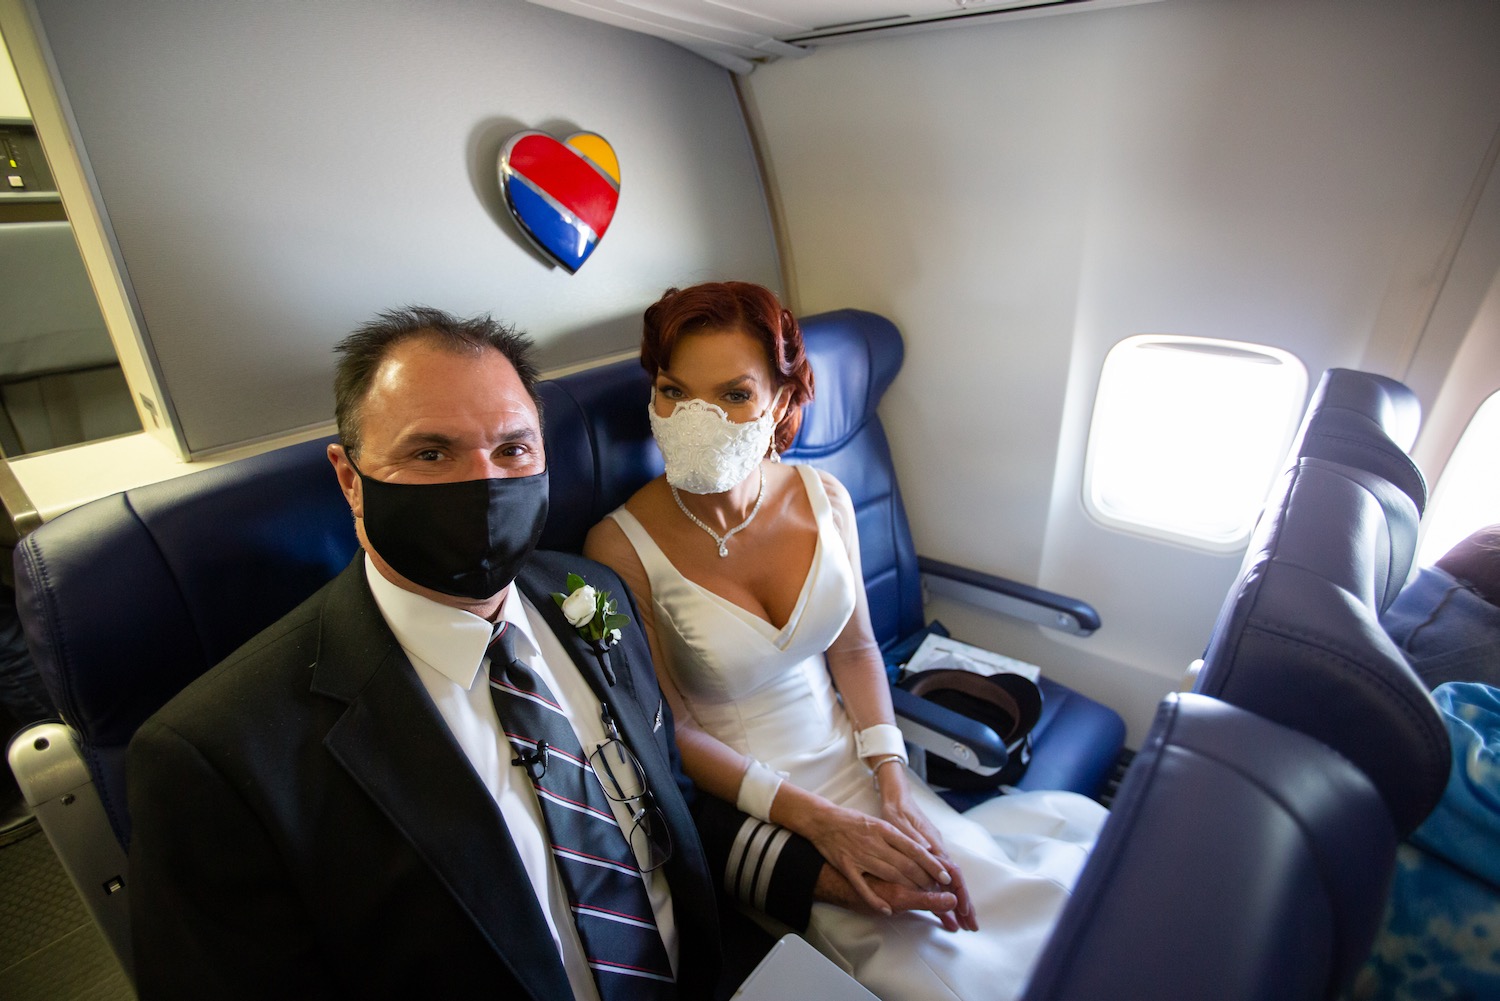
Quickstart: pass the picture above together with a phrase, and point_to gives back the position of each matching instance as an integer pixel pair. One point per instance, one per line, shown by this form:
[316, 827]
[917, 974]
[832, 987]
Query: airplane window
[1467, 496]
[1187, 435]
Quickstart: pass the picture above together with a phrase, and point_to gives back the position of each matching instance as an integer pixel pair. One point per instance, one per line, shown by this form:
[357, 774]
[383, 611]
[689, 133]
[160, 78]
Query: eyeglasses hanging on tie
[624, 781]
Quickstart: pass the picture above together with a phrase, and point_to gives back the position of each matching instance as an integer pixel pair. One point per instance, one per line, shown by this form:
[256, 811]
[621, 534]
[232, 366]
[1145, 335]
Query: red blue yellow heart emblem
[562, 194]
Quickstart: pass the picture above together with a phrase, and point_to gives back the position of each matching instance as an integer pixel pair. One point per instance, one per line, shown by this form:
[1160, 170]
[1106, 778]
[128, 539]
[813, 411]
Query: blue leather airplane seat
[127, 599]
[1298, 639]
[599, 447]
[1242, 861]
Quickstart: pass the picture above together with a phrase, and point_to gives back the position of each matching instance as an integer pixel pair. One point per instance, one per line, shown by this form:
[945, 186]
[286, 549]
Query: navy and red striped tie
[605, 887]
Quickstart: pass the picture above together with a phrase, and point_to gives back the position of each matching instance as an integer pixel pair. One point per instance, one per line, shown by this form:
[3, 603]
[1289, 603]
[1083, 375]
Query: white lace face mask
[705, 451]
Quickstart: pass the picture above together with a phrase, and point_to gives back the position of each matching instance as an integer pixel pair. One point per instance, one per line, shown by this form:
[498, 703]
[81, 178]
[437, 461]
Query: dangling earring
[775, 455]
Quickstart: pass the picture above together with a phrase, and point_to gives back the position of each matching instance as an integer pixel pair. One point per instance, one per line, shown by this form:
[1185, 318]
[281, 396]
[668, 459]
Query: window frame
[1161, 529]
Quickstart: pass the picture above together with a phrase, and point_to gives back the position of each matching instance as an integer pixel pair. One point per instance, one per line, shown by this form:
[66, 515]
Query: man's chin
[485, 608]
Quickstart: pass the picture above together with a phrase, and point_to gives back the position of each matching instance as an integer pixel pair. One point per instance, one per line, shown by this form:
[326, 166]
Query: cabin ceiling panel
[745, 33]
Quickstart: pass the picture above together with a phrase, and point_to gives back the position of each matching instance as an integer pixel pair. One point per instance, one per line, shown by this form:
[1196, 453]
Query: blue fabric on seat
[1446, 631]
[855, 357]
[1441, 937]
[1464, 828]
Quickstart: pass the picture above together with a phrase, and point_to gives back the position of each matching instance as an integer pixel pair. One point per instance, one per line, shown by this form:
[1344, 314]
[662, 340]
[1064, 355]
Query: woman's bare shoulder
[838, 494]
[608, 538]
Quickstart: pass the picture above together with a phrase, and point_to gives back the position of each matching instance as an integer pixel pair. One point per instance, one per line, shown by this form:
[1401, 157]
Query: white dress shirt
[447, 648]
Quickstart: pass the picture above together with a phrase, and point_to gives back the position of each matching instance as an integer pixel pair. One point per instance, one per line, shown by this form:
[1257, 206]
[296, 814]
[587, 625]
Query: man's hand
[833, 888]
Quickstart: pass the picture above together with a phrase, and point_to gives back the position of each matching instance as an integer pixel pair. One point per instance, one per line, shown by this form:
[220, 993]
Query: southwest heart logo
[563, 194]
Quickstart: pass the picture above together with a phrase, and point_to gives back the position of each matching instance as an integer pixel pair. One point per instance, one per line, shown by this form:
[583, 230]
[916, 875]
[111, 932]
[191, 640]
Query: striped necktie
[605, 887]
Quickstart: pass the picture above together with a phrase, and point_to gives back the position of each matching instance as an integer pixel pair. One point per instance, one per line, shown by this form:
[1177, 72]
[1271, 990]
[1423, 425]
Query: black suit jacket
[305, 824]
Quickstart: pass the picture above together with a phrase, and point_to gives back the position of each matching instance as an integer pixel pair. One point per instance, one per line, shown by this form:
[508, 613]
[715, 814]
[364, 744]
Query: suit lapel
[394, 743]
[628, 706]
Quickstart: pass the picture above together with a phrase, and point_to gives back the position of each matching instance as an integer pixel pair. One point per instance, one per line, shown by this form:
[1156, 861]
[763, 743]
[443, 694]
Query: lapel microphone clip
[535, 762]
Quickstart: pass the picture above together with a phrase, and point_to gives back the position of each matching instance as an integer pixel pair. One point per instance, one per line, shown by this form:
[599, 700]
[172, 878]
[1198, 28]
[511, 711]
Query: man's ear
[348, 479]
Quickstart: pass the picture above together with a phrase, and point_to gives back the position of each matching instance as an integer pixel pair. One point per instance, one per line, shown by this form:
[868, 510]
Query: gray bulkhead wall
[1021, 196]
[275, 172]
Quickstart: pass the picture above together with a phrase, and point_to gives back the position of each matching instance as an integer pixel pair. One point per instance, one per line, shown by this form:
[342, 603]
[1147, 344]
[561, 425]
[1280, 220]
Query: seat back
[1298, 639]
[1366, 421]
[127, 599]
[1242, 861]
[599, 447]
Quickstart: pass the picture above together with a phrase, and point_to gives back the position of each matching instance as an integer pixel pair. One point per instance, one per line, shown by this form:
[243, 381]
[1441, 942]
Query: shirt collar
[449, 640]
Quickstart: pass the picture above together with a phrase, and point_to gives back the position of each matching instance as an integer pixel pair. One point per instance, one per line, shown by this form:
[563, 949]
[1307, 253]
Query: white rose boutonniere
[580, 606]
[593, 613]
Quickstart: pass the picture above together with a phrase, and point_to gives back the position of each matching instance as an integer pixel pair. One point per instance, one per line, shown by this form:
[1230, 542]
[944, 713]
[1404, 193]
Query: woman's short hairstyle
[744, 306]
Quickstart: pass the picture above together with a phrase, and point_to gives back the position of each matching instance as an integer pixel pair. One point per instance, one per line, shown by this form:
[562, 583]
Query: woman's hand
[857, 844]
[899, 809]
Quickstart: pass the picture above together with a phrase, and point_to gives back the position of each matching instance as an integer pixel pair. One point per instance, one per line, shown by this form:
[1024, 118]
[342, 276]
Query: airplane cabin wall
[276, 173]
[1019, 197]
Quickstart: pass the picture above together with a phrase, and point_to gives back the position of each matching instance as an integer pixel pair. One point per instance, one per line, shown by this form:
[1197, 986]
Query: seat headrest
[599, 447]
[866, 351]
[1366, 421]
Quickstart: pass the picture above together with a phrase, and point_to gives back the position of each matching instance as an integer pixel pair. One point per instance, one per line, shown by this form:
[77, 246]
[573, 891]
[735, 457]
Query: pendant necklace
[723, 540]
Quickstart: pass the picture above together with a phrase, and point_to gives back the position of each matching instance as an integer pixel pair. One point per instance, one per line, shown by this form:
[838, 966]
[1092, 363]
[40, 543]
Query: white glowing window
[1468, 496]
[1187, 435]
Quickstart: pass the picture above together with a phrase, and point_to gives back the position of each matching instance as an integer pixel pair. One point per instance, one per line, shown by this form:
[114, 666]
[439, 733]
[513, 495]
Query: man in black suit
[335, 810]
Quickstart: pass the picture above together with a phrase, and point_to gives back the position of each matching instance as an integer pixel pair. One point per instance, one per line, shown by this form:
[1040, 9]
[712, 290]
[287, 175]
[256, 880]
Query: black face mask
[467, 539]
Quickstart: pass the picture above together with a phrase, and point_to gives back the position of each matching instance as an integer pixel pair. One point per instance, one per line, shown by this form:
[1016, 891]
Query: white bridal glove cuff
[757, 790]
[882, 740]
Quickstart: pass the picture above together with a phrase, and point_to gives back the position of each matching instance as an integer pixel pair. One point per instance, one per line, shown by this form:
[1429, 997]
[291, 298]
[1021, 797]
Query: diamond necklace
[723, 540]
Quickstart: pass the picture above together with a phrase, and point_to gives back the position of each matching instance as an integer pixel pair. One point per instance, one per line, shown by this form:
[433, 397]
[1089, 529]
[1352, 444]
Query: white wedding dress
[766, 692]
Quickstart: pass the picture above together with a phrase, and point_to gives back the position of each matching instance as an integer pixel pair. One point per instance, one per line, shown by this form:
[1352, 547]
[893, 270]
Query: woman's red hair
[744, 306]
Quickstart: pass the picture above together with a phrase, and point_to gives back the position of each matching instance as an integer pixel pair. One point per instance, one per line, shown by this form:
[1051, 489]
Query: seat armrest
[1190, 676]
[952, 736]
[49, 768]
[1009, 597]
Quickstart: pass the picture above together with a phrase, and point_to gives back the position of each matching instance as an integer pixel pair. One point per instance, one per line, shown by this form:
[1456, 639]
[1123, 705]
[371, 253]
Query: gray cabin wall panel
[275, 173]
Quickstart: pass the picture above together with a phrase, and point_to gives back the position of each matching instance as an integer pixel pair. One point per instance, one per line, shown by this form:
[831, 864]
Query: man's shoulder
[250, 673]
[549, 569]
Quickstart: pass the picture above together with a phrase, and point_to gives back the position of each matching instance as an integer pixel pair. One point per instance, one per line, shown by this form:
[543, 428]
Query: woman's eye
[670, 392]
[737, 396]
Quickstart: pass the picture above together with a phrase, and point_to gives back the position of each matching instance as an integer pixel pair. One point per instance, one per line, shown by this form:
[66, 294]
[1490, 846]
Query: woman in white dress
[746, 574]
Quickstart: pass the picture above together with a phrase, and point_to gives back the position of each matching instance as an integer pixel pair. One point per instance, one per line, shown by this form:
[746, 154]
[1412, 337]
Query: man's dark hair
[363, 351]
